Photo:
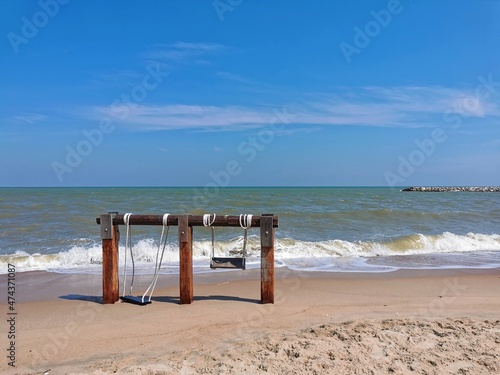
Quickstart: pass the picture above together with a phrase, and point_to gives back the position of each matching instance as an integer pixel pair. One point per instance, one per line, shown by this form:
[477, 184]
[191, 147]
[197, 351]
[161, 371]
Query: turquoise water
[331, 229]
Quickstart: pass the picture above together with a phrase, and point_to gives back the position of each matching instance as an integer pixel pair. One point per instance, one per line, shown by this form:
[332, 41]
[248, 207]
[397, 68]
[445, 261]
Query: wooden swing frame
[110, 237]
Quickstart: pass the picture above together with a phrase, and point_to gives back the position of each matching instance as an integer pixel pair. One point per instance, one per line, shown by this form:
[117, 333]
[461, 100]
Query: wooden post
[110, 239]
[185, 260]
[267, 259]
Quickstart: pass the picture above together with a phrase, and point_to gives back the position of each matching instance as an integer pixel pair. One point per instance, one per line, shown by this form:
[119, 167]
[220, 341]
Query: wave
[288, 252]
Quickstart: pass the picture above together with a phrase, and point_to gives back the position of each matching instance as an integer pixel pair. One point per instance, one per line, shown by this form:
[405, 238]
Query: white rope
[206, 220]
[126, 220]
[208, 223]
[163, 241]
[246, 223]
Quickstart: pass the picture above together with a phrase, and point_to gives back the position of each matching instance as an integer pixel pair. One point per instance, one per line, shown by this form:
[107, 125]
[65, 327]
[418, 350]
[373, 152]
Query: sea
[328, 229]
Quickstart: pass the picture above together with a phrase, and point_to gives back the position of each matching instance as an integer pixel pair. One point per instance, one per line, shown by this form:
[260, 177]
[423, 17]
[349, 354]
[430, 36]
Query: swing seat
[236, 263]
[135, 300]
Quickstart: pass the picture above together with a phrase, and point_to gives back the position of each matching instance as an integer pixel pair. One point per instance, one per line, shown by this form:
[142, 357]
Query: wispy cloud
[29, 118]
[234, 77]
[124, 76]
[204, 47]
[182, 52]
[408, 107]
[433, 99]
[187, 116]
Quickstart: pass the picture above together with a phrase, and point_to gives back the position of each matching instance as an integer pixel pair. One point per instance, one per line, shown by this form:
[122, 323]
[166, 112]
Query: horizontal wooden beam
[194, 220]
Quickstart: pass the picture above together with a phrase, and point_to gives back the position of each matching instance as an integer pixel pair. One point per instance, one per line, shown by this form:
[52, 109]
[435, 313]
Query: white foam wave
[288, 251]
[413, 244]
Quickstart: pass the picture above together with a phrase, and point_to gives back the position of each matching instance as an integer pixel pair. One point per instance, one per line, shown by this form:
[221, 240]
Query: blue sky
[244, 93]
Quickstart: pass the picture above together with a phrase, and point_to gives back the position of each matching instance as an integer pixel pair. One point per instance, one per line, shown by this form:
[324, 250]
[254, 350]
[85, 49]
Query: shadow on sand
[163, 299]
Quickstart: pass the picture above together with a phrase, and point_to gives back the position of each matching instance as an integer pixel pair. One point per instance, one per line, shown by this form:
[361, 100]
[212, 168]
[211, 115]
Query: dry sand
[412, 322]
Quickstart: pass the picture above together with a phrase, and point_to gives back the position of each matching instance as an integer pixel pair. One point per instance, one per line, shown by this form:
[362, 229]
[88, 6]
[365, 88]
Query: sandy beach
[404, 322]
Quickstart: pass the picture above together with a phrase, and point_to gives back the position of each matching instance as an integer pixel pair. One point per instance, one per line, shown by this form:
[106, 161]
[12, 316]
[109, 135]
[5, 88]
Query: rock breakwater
[439, 189]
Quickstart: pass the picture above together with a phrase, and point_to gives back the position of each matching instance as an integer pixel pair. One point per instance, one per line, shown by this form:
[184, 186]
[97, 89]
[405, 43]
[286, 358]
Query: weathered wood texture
[110, 240]
[267, 259]
[194, 220]
[185, 260]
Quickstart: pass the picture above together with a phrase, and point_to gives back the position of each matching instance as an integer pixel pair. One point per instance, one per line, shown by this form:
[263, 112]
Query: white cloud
[205, 47]
[408, 106]
[187, 116]
[371, 106]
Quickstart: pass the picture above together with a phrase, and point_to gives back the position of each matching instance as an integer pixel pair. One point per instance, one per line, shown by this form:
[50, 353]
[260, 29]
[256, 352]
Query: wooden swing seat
[220, 262]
